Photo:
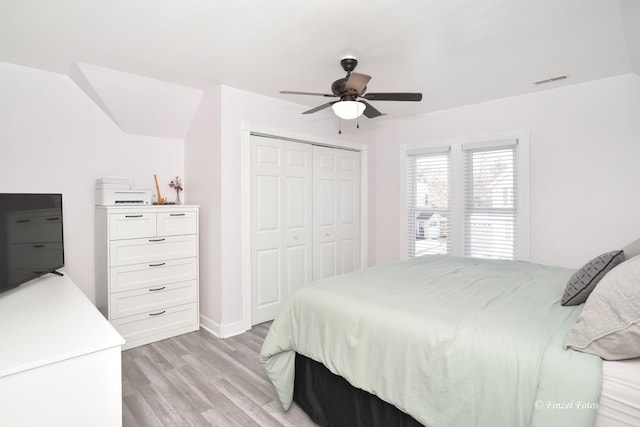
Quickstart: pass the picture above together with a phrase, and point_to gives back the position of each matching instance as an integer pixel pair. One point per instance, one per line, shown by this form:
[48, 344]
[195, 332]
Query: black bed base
[331, 401]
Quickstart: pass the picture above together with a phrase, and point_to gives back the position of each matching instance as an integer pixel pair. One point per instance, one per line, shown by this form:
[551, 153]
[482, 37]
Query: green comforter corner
[452, 341]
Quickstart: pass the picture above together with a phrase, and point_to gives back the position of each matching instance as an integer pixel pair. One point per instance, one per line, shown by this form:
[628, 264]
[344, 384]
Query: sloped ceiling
[139, 105]
[456, 51]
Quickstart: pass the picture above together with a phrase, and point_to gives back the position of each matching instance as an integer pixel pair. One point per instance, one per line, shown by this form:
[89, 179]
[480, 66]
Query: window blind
[490, 201]
[428, 202]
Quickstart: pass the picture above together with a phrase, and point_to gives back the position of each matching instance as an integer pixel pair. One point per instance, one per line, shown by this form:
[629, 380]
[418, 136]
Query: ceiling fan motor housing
[349, 63]
[339, 87]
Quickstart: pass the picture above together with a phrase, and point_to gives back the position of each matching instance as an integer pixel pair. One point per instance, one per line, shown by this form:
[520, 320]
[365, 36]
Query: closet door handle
[158, 314]
[157, 265]
[156, 240]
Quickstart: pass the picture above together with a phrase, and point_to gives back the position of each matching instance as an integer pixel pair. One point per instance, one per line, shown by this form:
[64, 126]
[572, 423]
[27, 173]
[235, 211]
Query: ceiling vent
[551, 79]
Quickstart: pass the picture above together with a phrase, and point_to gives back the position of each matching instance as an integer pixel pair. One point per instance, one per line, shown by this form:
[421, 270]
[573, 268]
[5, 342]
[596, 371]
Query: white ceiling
[455, 52]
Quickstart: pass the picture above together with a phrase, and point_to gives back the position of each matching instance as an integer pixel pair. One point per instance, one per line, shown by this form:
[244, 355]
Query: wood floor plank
[162, 408]
[244, 402]
[143, 414]
[197, 379]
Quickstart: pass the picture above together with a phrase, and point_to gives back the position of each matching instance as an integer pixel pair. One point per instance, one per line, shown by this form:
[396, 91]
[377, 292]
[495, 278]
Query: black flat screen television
[31, 238]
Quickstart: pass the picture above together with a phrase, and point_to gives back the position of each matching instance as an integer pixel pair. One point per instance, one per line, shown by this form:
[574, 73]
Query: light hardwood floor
[197, 379]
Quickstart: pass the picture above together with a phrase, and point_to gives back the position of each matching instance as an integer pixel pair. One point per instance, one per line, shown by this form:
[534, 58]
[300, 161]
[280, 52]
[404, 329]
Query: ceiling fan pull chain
[339, 126]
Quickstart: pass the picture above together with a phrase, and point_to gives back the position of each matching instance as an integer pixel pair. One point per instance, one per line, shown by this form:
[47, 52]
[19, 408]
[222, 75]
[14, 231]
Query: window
[468, 198]
[428, 202]
[490, 208]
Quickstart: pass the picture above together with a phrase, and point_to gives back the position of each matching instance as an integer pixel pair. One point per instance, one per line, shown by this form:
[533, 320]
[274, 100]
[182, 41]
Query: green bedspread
[452, 341]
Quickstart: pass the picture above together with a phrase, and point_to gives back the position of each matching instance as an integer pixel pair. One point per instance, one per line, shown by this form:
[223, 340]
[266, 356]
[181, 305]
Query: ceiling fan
[351, 91]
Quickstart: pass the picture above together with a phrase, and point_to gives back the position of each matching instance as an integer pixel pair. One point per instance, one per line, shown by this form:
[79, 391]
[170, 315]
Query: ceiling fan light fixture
[348, 110]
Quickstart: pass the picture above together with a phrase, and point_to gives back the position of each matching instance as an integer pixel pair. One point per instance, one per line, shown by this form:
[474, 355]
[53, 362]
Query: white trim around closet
[247, 130]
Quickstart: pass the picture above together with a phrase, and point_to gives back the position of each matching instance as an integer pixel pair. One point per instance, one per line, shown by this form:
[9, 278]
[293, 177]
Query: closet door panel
[325, 260]
[336, 195]
[267, 282]
[348, 232]
[325, 214]
[267, 262]
[297, 267]
[298, 224]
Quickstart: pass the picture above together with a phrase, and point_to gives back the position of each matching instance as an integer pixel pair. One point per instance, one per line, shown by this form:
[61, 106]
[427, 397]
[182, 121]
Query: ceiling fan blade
[370, 111]
[321, 107]
[357, 82]
[290, 92]
[393, 96]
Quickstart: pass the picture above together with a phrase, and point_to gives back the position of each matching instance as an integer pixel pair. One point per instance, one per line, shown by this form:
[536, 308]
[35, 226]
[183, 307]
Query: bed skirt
[331, 401]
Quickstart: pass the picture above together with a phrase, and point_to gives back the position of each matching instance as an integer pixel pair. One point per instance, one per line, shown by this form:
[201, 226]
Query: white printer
[118, 191]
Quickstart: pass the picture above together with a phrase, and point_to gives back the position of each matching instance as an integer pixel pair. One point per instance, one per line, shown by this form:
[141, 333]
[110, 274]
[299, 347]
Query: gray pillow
[609, 324]
[632, 249]
[584, 281]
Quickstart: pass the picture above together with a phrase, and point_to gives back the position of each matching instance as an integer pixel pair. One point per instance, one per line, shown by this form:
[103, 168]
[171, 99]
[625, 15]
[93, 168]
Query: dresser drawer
[154, 250]
[138, 301]
[142, 276]
[132, 225]
[160, 322]
[175, 223]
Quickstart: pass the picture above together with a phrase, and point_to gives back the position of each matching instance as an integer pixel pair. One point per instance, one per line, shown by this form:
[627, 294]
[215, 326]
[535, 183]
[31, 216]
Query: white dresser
[147, 270]
[60, 363]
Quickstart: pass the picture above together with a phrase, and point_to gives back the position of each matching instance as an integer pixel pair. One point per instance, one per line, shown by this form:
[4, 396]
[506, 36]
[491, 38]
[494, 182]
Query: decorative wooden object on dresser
[147, 270]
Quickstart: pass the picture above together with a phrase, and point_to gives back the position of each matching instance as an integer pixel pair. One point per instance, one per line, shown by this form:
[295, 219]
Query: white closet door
[298, 225]
[336, 201]
[267, 294]
[281, 226]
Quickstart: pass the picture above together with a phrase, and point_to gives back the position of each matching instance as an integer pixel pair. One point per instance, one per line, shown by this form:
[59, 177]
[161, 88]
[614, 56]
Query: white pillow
[632, 249]
[609, 324]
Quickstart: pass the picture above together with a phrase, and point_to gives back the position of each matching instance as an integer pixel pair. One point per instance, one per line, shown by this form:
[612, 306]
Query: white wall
[203, 175]
[214, 150]
[585, 150]
[55, 139]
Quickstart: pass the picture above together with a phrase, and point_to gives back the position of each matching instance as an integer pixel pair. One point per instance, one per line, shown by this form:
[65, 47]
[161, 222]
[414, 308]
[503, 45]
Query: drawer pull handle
[38, 246]
[157, 265]
[133, 216]
[157, 289]
[158, 314]
[55, 218]
[23, 220]
[156, 240]
[176, 214]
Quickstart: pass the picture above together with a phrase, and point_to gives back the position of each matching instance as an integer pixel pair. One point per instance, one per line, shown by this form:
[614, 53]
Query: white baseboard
[222, 330]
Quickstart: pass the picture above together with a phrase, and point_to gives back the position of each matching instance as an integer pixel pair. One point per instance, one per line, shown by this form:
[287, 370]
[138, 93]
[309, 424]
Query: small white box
[103, 186]
[115, 180]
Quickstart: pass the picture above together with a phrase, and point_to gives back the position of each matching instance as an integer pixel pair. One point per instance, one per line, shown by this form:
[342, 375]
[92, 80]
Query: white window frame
[456, 186]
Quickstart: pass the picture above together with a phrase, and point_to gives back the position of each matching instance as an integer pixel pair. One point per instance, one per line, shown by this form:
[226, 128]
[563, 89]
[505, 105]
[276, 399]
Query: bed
[619, 404]
[444, 340]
